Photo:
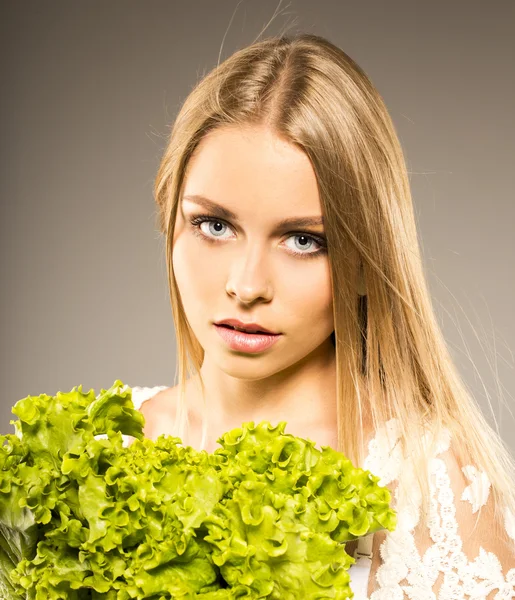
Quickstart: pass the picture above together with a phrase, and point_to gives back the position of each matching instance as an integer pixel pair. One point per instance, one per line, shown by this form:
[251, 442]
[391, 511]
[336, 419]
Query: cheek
[303, 292]
[190, 269]
[199, 278]
[306, 293]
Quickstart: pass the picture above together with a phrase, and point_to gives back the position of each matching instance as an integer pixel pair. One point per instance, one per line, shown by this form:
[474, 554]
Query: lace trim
[478, 490]
[401, 561]
[140, 394]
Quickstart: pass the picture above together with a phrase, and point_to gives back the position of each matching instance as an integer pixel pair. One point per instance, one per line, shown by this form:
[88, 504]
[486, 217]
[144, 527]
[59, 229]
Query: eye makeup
[196, 220]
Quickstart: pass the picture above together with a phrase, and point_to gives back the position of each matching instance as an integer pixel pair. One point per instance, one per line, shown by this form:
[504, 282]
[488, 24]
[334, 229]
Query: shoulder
[477, 548]
[157, 405]
[159, 412]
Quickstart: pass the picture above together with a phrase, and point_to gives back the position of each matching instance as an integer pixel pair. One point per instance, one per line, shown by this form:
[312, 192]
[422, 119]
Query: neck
[303, 395]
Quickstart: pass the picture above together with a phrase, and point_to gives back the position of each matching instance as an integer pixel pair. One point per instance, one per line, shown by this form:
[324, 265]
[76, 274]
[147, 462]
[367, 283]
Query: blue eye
[212, 222]
[310, 239]
[211, 235]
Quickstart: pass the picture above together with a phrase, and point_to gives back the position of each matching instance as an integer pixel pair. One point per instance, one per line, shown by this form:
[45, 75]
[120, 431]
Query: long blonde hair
[392, 359]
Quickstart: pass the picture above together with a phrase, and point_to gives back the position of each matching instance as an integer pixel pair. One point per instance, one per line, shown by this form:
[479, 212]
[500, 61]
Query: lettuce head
[84, 516]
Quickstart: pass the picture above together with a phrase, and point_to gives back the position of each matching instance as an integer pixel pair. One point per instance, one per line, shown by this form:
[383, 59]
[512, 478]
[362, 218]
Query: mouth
[241, 329]
[248, 342]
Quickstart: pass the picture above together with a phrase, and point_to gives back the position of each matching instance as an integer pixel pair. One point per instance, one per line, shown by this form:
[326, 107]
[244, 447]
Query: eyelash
[197, 220]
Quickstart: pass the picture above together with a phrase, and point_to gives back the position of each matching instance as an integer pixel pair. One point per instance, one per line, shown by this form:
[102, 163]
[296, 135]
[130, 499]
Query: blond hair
[392, 359]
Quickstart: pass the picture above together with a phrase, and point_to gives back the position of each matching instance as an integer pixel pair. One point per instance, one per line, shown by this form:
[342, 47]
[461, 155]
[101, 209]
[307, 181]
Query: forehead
[251, 168]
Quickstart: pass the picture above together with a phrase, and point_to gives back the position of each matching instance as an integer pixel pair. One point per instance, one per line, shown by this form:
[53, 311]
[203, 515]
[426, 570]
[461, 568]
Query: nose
[249, 277]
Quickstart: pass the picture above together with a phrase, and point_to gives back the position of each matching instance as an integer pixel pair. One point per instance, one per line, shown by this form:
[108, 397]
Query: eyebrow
[221, 211]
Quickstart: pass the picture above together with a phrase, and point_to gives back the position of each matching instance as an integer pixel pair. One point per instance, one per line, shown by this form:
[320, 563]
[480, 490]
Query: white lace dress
[445, 558]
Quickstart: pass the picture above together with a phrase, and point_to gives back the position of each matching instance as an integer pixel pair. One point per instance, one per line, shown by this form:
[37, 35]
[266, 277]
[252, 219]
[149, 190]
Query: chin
[255, 367]
[248, 368]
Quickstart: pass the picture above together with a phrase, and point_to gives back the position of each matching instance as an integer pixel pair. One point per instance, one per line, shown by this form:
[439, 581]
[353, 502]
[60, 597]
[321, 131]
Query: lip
[250, 327]
[251, 343]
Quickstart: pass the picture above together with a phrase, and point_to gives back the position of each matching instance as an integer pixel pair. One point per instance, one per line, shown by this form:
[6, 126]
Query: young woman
[284, 198]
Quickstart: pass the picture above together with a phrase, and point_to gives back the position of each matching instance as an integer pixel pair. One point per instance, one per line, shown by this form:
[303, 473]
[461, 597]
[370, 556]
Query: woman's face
[247, 265]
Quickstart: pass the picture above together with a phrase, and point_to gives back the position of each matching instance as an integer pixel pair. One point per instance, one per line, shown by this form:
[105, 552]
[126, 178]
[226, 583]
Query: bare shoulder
[159, 401]
[159, 412]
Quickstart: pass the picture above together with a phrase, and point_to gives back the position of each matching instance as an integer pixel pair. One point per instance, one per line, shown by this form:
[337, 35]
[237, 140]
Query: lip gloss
[247, 342]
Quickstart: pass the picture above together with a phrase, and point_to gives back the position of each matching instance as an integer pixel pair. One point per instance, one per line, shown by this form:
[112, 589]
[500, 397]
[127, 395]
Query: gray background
[88, 92]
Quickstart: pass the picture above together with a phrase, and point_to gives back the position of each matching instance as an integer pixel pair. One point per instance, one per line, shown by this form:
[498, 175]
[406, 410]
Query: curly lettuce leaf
[82, 516]
[281, 528]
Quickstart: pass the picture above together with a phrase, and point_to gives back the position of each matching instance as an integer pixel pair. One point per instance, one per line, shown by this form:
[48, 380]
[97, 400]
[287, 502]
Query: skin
[252, 274]
[246, 269]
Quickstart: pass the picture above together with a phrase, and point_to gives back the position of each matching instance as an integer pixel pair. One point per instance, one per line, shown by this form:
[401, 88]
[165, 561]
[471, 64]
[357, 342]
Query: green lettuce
[84, 516]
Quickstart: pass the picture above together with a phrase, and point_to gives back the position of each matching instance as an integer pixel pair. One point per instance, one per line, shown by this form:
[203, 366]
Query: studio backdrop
[89, 90]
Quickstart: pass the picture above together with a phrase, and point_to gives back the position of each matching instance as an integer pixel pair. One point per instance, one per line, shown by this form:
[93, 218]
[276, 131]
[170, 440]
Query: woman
[284, 197]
